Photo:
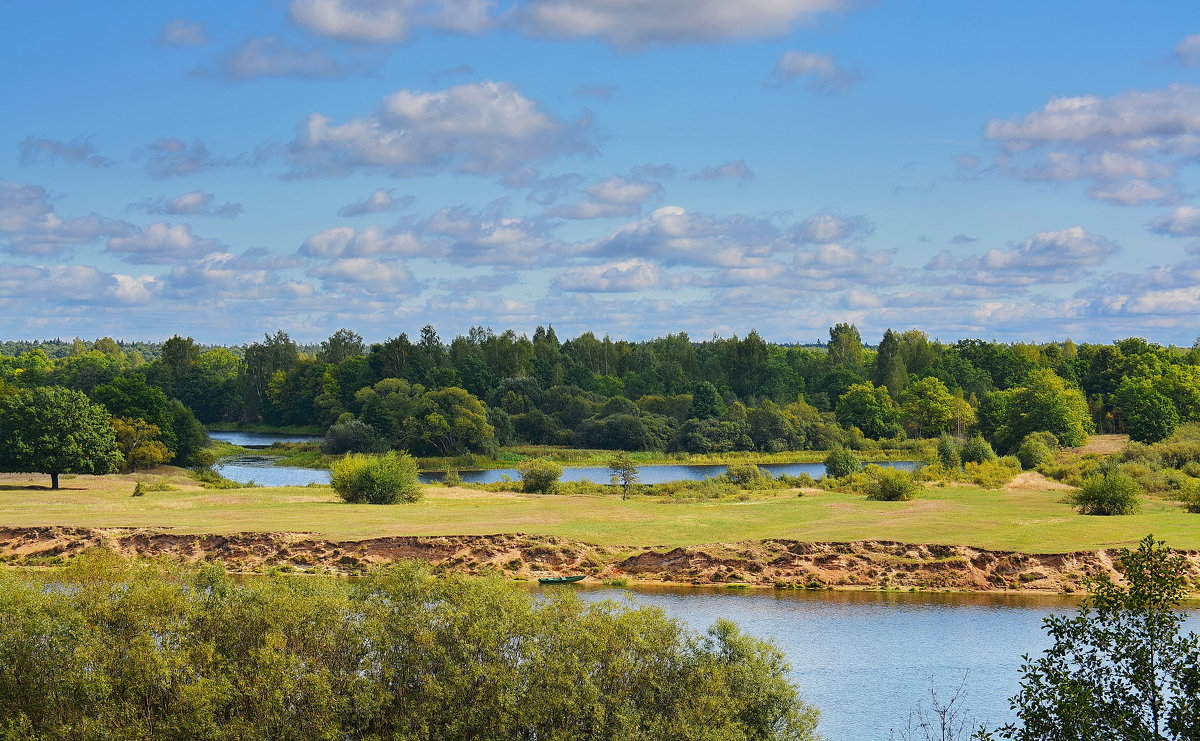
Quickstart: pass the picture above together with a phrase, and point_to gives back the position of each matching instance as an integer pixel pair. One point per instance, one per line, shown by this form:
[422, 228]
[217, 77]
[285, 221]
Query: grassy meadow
[1023, 520]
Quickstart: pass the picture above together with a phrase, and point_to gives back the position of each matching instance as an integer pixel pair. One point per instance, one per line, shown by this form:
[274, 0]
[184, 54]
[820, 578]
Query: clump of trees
[1110, 492]
[539, 476]
[376, 479]
[123, 650]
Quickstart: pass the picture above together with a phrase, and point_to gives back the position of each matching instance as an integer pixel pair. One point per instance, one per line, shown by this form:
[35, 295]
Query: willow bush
[108, 649]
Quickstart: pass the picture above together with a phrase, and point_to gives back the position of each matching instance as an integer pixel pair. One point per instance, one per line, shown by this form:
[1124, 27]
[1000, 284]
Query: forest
[484, 390]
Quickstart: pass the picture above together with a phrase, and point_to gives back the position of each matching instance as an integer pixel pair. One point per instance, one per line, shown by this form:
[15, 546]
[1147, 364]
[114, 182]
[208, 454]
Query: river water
[261, 469]
[866, 659]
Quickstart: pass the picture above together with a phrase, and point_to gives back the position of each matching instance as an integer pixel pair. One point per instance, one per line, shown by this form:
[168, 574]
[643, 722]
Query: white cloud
[489, 237]
[345, 241]
[73, 285]
[623, 276]
[735, 170]
[181, 32]
[675, 236]
[1188, 51]
[79, 151]
[485, 128]
[616, 196]
[1131, 145]
[161, 242]
[29, 224]
[1182, 222]
[636, 24]
[390, 276]
[378, 202]
[824, 228]
[821, 72]
[386, 21]
[195, 203]
[1046, 257]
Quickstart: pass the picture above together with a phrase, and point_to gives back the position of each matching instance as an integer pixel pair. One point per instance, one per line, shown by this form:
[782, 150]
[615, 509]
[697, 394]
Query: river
[865, 659]
[261, 468]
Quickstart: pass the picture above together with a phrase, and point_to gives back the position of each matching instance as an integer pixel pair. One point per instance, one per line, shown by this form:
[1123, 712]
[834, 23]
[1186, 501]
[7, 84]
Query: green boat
[559, 579]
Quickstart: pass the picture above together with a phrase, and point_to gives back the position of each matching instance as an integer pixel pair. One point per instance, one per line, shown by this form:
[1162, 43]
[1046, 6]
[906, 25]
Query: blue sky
[1011, 170]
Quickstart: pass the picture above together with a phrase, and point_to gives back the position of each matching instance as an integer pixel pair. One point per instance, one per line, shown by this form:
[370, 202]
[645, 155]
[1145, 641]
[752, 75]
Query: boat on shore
[560, 579]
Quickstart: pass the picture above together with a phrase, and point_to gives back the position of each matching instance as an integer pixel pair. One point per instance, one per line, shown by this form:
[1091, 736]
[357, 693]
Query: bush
[353, 436]
[977, 450]
[1033, 451]
[949, 452]
[992, 474]
[376, 479]
[1110, 493]
[890, 484]
[747, 476]
[539, 476]
[841, 462]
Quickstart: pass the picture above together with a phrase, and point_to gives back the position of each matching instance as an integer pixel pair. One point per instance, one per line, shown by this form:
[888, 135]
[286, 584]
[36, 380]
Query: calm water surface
[865, 659]
[260, 468]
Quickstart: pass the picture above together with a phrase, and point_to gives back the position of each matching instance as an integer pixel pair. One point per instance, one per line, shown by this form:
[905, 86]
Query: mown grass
[1030, 521]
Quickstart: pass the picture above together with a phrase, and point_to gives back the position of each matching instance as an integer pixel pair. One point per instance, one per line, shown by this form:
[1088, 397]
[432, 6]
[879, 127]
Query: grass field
[1030, 521]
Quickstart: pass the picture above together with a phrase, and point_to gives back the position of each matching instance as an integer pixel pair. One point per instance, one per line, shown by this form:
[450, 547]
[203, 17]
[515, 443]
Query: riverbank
[773, 563]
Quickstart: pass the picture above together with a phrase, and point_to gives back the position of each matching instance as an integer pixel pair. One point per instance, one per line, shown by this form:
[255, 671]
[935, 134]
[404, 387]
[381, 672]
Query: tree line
[484, 389]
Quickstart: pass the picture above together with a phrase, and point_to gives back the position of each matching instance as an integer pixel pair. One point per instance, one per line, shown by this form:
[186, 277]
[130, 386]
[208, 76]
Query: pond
[260, 439]
[865, 659]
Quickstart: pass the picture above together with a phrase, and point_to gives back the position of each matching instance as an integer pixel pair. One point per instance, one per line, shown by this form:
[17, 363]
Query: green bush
[376, 479]
[1033, 451]
[949, 452]
[353, 436]
[977, 450]
[1110, 493]
[748, 476]
[890, 484]
[992, 474]
[841, 462]
[539, 476]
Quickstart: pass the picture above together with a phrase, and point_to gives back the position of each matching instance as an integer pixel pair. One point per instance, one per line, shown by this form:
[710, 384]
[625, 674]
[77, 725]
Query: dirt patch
[1034, 481]
[1103, 444]
[778, 563]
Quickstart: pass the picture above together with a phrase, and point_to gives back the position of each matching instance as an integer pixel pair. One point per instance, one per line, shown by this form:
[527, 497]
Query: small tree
[539, 476]
[1120, 668]
[138, 442]
[54, 430]
[353, 436]
[1112, 492]
[841, 462]
[376, 479]
[949, 452]
[622, 472]
[890, 485]
[977, 450]
[1033, 452]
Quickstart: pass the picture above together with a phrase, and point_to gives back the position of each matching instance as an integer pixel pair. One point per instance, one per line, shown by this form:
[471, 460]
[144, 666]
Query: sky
[1015, 170]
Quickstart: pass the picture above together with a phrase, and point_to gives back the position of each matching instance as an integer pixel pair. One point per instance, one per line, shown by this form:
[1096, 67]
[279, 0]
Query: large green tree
[1044, 404]
[928, 408]
[55, 430]
[870, 409]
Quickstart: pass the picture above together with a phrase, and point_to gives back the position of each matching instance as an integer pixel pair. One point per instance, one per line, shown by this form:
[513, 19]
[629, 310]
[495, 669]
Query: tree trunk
[54, 481]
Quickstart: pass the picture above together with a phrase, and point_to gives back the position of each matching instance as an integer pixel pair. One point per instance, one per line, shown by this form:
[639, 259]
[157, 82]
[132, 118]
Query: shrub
[890, 484]
[949, 452]
[1033, 452]
[992, 474]
[841, 462]
[539, 476]
[747, 476]
[977, 450]
[1111, 493]
[376, 479]
[353, 436]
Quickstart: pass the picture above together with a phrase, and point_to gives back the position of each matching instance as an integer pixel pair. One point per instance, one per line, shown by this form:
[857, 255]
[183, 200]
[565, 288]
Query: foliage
[623, 472]
[890, 484]
[1046, 404]
[870, 409]
[352, 436]
[1112, 492]
[928, 408]
[1120, 668]
[949, 451]
[1033, 452]
[138, 442]
[976, 450]
[842, 462]
[1149, 416]
[539, 476]
[55, 430]
[376, 479]
[108, 650]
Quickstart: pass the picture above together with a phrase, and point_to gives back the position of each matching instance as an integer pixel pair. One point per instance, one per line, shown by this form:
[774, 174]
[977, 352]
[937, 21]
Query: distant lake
[260, 439]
